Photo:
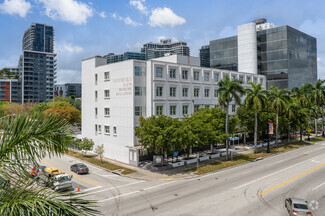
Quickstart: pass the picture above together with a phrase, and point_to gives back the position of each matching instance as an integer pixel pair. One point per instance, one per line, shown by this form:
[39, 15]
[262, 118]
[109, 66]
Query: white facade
[247, 48]
[173, 86]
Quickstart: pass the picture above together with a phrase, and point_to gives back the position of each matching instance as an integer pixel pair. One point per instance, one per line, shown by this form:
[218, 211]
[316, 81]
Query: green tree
[6, 74]
[228, 91]
[318, 97]
[85, 144]
[278, 100]
[2, 113]
[40, 108]
[25, 140]
[69, 113]
[99, 150]
[255, 100]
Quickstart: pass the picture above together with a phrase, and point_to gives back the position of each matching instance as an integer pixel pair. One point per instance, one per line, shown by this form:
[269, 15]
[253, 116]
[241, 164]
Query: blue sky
[88, 28]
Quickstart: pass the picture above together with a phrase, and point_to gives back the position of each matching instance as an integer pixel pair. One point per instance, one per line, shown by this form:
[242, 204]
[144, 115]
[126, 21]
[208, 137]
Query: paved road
[257, 188]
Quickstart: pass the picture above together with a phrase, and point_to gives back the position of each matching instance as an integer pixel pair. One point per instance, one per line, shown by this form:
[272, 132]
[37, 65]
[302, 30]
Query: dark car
[79, 168]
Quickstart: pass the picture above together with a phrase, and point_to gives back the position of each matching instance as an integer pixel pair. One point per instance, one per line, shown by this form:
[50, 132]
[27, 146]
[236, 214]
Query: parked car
[297, 206]
[79, 168]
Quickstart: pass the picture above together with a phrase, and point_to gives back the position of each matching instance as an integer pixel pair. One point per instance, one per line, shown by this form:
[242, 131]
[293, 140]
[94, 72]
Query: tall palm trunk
[323, 121]
[255, 133]
[288, 133]
[316, 130]
[227, 129]
[300, 131]
[276, 129]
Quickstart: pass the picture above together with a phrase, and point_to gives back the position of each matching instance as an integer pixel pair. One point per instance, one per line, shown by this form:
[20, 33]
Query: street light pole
[268, 132]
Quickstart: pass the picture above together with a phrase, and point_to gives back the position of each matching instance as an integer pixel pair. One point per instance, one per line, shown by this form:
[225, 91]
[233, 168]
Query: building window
[248, 79]
[107, 130]
[99, 129]
[106, 93]
[96, 129]
[96, 95]
[138, 111]
[206, 92]
[261, 81]
[196, 92]
[138, 71]
[172, 110]
[114, 131]
[159, 110]
[96, 79]
[241, 78]
[106, 76]
[184, 74]
[172, 91]
[196, 108]
[206, 76]
[172, 73]
[255, 80]
[96, 112]
[139, 91]
[159, 72]
[185, 92]
[216, 93]
[196, 75]
[185, 109]
[159, 91]
[106, 112]
[233, 108]
[216, 77]
[233, 77]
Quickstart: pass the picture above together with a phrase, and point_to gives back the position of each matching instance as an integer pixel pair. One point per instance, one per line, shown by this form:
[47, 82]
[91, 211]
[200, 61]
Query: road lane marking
[93, 188]
[292, 179]
[111, 188]
[165, 179]
[133, 192]
[251, 182]
[74, 175]
[280, 161]
[318, 186]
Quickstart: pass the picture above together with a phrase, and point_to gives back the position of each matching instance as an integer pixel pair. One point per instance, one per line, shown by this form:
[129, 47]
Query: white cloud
[164, 16]
[116, 17]
[68, 47]
[102, 14]
[72, 11]
[135, 47]
[138, 4]
[228, 31]
[19, 7]
[129, 21]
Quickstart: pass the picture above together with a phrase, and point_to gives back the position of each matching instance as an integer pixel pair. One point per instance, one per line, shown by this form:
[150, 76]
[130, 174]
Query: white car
[297, 206]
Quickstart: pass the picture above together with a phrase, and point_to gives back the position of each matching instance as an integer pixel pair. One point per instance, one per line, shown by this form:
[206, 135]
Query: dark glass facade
[205, 56]
[111, 58]
[286, 56]
[37, 65]
[224, 53]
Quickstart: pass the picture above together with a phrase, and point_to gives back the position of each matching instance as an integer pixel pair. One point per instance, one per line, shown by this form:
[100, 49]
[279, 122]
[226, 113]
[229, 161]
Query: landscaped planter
[190, 161]
[204, 158]
[177, 164]
[214, 156]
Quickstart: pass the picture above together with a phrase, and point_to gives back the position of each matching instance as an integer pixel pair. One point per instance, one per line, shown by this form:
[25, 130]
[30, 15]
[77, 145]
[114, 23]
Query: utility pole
[268, 132]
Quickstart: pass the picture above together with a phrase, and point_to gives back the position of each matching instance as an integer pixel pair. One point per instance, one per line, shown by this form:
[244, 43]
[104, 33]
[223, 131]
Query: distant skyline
[88, 28]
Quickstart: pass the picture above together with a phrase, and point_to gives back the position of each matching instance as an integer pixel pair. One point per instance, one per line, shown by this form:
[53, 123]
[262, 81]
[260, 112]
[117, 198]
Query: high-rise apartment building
[112, 58]
[68, 89]
[286, 56]
[205, 56]
[165, 47]
[114, 96]
[37, 64]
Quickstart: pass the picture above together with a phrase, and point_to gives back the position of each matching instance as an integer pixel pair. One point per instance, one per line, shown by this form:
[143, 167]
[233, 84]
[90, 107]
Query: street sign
[309, 130]
[233, 138]
[175, 154]
[42, 167]
[270, 128]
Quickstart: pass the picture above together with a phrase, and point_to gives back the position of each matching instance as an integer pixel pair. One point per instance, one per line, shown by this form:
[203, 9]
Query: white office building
[115, 95]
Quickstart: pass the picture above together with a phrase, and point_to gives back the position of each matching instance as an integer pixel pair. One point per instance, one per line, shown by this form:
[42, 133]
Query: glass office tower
[205, 56]
[37, 64]
[286, 56]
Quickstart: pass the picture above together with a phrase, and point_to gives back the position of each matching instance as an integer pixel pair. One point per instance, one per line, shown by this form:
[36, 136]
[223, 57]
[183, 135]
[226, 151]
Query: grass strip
[93, 160]
[245, 158]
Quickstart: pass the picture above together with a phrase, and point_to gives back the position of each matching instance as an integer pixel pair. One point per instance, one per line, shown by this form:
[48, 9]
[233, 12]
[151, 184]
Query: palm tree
[24, 140]
[318, 97]
[228, 91]
[278, 99]
[255, 100]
